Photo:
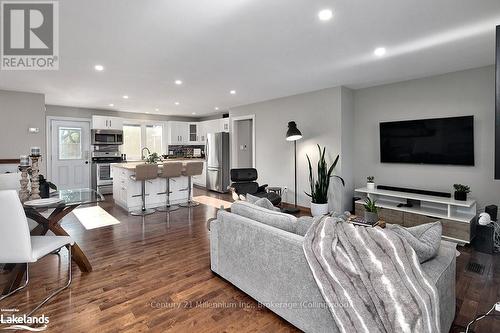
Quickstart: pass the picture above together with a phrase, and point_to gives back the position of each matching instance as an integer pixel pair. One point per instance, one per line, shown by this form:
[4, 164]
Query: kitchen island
[127, 192]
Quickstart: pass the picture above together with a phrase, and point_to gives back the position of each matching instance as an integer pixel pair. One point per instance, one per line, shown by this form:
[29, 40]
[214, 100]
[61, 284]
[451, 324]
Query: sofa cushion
[425, 239]
[265, 203]
[251, 198]
[303, 224]
[275, 219]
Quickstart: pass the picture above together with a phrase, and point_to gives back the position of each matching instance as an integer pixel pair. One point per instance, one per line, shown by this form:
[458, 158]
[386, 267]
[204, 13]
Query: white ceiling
[263, 49]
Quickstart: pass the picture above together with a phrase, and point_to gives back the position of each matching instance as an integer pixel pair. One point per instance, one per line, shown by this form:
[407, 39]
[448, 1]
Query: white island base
[127, 192]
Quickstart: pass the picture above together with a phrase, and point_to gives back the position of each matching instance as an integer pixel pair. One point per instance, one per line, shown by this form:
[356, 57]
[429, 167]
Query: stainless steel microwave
[107, 137]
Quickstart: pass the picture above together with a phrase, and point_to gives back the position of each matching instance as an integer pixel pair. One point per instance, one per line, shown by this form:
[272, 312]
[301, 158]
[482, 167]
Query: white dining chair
[18, 247]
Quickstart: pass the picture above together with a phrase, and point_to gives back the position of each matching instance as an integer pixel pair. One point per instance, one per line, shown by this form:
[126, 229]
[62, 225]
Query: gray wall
[319, 118]
[469, 92]
[244, 139]
[75, 112]
[20, 111]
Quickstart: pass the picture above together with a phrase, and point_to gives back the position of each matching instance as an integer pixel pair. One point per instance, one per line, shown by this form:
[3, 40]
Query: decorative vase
[371, 217]
[319, 209]
[370, 186]
[460, 196]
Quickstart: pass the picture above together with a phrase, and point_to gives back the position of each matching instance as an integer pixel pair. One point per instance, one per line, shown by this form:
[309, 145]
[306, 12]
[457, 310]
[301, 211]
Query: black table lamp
[293, 134]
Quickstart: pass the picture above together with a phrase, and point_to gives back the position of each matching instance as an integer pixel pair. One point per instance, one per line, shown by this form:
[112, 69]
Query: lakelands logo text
[30, 35]
[33, 324]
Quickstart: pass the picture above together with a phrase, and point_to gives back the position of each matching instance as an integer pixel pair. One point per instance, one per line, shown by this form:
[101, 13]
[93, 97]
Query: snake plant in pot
[320, 184]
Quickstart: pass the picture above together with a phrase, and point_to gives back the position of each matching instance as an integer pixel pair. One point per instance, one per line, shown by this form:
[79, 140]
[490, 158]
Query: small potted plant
[153, 158]
[461, 192]
[370, 182]
[319, 186]
[371, 211]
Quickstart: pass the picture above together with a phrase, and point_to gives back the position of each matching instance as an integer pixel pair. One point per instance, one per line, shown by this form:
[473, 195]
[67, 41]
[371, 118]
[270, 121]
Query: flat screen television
[497, 107]
[428, 141]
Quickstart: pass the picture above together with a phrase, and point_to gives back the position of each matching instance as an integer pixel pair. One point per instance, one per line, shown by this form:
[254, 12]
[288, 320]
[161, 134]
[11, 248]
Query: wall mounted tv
[428, 141]
[497, 107]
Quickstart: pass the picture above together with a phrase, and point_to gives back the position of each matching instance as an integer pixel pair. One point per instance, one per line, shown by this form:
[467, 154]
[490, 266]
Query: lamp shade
[293, 132]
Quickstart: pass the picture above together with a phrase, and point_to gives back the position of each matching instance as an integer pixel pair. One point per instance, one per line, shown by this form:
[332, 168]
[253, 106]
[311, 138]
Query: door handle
[86, 162]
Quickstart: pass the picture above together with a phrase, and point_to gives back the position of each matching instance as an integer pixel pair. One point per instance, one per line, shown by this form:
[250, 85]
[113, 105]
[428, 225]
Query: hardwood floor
[153, 275]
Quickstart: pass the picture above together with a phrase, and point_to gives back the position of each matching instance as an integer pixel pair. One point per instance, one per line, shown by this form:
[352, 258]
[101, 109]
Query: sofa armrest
[269, 264]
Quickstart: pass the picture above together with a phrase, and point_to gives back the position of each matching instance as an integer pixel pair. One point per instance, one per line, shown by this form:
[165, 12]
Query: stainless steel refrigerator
[217, 152]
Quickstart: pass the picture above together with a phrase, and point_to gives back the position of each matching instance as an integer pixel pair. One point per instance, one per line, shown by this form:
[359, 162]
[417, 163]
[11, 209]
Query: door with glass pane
[70, 157]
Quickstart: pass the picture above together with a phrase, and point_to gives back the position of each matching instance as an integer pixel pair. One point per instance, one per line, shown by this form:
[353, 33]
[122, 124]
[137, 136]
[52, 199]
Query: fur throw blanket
[376, 273]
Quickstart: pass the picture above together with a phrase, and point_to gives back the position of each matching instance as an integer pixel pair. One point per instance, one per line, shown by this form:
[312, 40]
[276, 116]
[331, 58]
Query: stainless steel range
[102, 176]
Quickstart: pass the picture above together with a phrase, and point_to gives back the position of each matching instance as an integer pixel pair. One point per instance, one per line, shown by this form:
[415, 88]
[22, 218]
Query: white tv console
[457, 217]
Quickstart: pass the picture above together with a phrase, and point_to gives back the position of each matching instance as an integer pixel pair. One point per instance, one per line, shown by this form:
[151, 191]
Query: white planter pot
[370, 186]
[319, 209]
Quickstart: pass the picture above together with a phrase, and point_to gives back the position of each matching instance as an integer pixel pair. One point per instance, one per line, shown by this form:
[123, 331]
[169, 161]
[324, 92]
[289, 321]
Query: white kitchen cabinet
[216, 125]
[212, 126]
[102, 122]
[193, 137]
[224, 125]
[202, 133]
[178, 132]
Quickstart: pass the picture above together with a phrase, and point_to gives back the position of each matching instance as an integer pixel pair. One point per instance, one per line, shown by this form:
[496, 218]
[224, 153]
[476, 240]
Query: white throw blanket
[374, 272]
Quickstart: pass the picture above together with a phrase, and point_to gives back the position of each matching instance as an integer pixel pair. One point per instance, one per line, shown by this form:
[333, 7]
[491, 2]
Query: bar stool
[192, 169]
[169, 170]
[144, 172]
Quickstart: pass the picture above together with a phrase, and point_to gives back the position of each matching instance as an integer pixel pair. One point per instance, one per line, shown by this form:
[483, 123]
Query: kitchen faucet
[142, 153]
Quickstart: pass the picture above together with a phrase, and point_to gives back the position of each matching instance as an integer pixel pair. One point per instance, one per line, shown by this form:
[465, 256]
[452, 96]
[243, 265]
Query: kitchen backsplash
[184, 150]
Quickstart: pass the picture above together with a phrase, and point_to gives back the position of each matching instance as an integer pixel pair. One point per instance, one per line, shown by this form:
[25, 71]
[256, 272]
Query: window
[132, 144]
[70, 143]
[154, 137]
[139, 135]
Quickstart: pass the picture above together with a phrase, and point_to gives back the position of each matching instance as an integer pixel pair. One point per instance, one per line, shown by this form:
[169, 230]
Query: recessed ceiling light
[99, 68]
[111, 105]
[233, 92]
[325, 14]
[147, 112]
[193, 113]
[157, 109]
[216, 108]
[380, 51]
[177, 103]
[125, 96]
[178, 82]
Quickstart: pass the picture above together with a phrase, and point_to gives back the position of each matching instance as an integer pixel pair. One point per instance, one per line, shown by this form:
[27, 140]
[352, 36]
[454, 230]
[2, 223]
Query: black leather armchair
[244, 182]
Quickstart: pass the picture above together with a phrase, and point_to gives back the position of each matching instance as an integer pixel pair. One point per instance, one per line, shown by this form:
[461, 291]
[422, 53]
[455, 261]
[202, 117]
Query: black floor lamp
[293, 134]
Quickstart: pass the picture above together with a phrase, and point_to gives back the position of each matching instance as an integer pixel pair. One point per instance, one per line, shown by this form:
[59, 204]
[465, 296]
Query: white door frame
[48, 134]
[234, 130]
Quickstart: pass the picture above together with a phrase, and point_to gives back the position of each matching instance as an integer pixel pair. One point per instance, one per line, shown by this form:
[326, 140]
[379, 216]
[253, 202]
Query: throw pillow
[303, 224]
[251, 198]
[265, 203]
[279, 220]
[425, 239]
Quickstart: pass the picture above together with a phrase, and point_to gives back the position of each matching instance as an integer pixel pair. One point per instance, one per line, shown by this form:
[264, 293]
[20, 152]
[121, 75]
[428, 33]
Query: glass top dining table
[74, 197]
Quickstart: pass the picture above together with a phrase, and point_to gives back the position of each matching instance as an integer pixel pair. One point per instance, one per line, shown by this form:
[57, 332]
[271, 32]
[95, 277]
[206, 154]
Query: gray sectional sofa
[268, 264]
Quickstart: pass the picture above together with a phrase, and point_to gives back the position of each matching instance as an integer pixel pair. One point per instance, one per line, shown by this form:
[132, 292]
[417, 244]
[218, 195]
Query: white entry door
[70, 156]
